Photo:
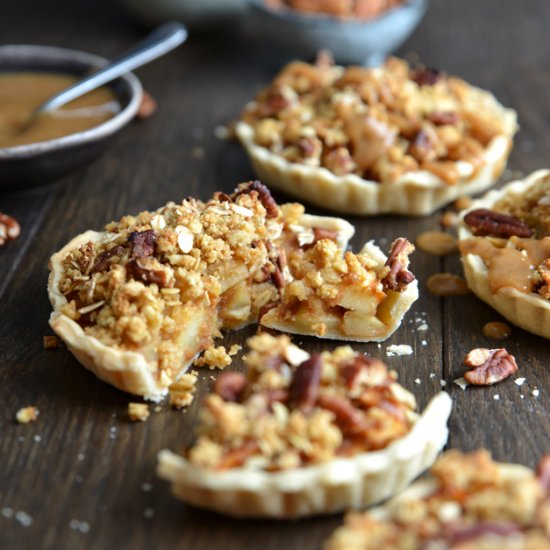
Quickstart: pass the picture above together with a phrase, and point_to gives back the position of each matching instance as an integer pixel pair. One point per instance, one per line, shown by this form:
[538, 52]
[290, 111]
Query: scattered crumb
[423, 326]
[461, 383]
[536, 392]
[402, 349]
[234, 349]
[148, 513]
[214, 358]
[417, 381]
[27, 414]
[23, 518]
[198, 152]
[138, 412]
[442, 383]
[50, 342]
[432, 375]
[181, 391]
[79, 479]
[81, 526]
[424, 343]
[158, 408]
[496, 397]
[7, 512]
[222, 132]
[80, 456]
[37, 438]
[146, 487]
[519, 381]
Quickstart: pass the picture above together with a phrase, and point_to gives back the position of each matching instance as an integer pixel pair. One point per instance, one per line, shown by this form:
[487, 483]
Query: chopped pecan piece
[462, 534]
[423, 147]
[442, 118]
[264, 195]
[104, 260]
[9, 228]
[352, 370]
[543, 473]
[488, 223]
[142, 243]
[489, 366]
[399, 276]
[230, 385]
[141, 269]
[237, 457]
[348, 418]
[319, 234]
[276, 100]
[424, 76]
[305, 383]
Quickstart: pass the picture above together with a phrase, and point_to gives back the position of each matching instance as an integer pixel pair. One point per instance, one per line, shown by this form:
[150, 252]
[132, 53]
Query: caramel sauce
[21, 93]
[509, 267]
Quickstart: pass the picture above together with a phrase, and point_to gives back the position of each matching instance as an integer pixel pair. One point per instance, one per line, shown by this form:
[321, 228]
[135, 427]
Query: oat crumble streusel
[293, 410]
[377, 123]
[470, 502]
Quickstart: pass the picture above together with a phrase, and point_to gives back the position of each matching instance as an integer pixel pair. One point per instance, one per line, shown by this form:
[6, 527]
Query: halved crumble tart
[368, 141]
[468, 502]
[304, 434]
[137, 302]
[505, 248]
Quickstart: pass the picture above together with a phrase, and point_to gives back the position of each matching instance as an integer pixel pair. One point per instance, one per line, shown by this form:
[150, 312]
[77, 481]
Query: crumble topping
[470, 502]
[214, 358]
[377, 123]
[293, 410]
[182, 392]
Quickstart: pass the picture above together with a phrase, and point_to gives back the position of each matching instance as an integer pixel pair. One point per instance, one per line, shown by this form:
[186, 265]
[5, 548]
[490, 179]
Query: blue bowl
[350, 40]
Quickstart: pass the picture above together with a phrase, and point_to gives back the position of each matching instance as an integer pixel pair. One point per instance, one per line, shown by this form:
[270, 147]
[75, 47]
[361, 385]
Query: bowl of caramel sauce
[54, 144]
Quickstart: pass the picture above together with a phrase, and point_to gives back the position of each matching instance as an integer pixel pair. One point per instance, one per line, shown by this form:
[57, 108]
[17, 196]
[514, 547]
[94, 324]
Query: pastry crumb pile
[470, 502]
[293, 410]
[377, 123]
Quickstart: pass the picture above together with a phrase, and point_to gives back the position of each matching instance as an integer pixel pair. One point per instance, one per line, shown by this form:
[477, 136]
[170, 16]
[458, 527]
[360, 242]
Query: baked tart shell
[326, 488]
[415, 194]
[528, 311]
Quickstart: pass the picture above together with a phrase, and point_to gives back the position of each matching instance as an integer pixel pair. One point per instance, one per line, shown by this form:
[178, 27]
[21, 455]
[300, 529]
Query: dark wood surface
[82, 460]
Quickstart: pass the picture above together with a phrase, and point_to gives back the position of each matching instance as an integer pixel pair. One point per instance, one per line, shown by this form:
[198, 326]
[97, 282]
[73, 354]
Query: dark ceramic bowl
[349, 40]
[43, 162]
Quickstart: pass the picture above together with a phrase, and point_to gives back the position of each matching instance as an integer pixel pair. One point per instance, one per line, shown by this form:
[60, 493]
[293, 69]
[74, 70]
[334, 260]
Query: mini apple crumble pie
[305, 434]
[137, 302]
[468, 502]
[367, 141]
[505, 248]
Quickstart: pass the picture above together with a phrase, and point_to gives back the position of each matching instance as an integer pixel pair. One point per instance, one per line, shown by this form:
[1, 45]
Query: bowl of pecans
[360, 32]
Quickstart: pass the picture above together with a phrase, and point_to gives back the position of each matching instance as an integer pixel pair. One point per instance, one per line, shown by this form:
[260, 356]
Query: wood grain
[82, 461]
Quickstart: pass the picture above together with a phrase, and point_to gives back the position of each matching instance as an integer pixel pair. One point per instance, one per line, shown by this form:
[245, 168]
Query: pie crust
[357, 141]
[505, 509]
[131, 371]
[527, 310]
[323, 487]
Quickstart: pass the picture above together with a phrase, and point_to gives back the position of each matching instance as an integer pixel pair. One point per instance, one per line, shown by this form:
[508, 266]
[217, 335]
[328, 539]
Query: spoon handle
[160, 41]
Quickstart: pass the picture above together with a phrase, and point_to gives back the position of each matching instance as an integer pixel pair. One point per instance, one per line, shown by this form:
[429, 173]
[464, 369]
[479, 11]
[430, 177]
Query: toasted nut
[497, 330]
[142, 243]
[9, 228]
[50, 342]
[305, 383]
[147, 107]
[484, 222]
[264, 195]
[424, 76]
[27, 414]
[138, 412]
[348, 418]
[437, 242]
[448, 220]
[463, 202]
[489, 366]
[230, 385]
[399, 276]
[447, 284]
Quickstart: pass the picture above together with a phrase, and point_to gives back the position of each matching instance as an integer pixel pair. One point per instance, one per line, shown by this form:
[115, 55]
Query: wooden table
[82, 472]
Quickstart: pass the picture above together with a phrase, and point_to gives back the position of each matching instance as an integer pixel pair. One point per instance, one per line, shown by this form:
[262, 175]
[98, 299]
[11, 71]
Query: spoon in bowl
[159, 42]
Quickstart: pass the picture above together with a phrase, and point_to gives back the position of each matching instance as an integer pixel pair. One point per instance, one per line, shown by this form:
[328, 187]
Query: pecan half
[488, 223]
[423, 147]
[264, 195]
[230, 385]
[424, 76]
[9, 228]
[399, 276]
[305, 383]
[489, 366]
[457, 534]
[142, 270]
[142, 243]
[348, 418]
